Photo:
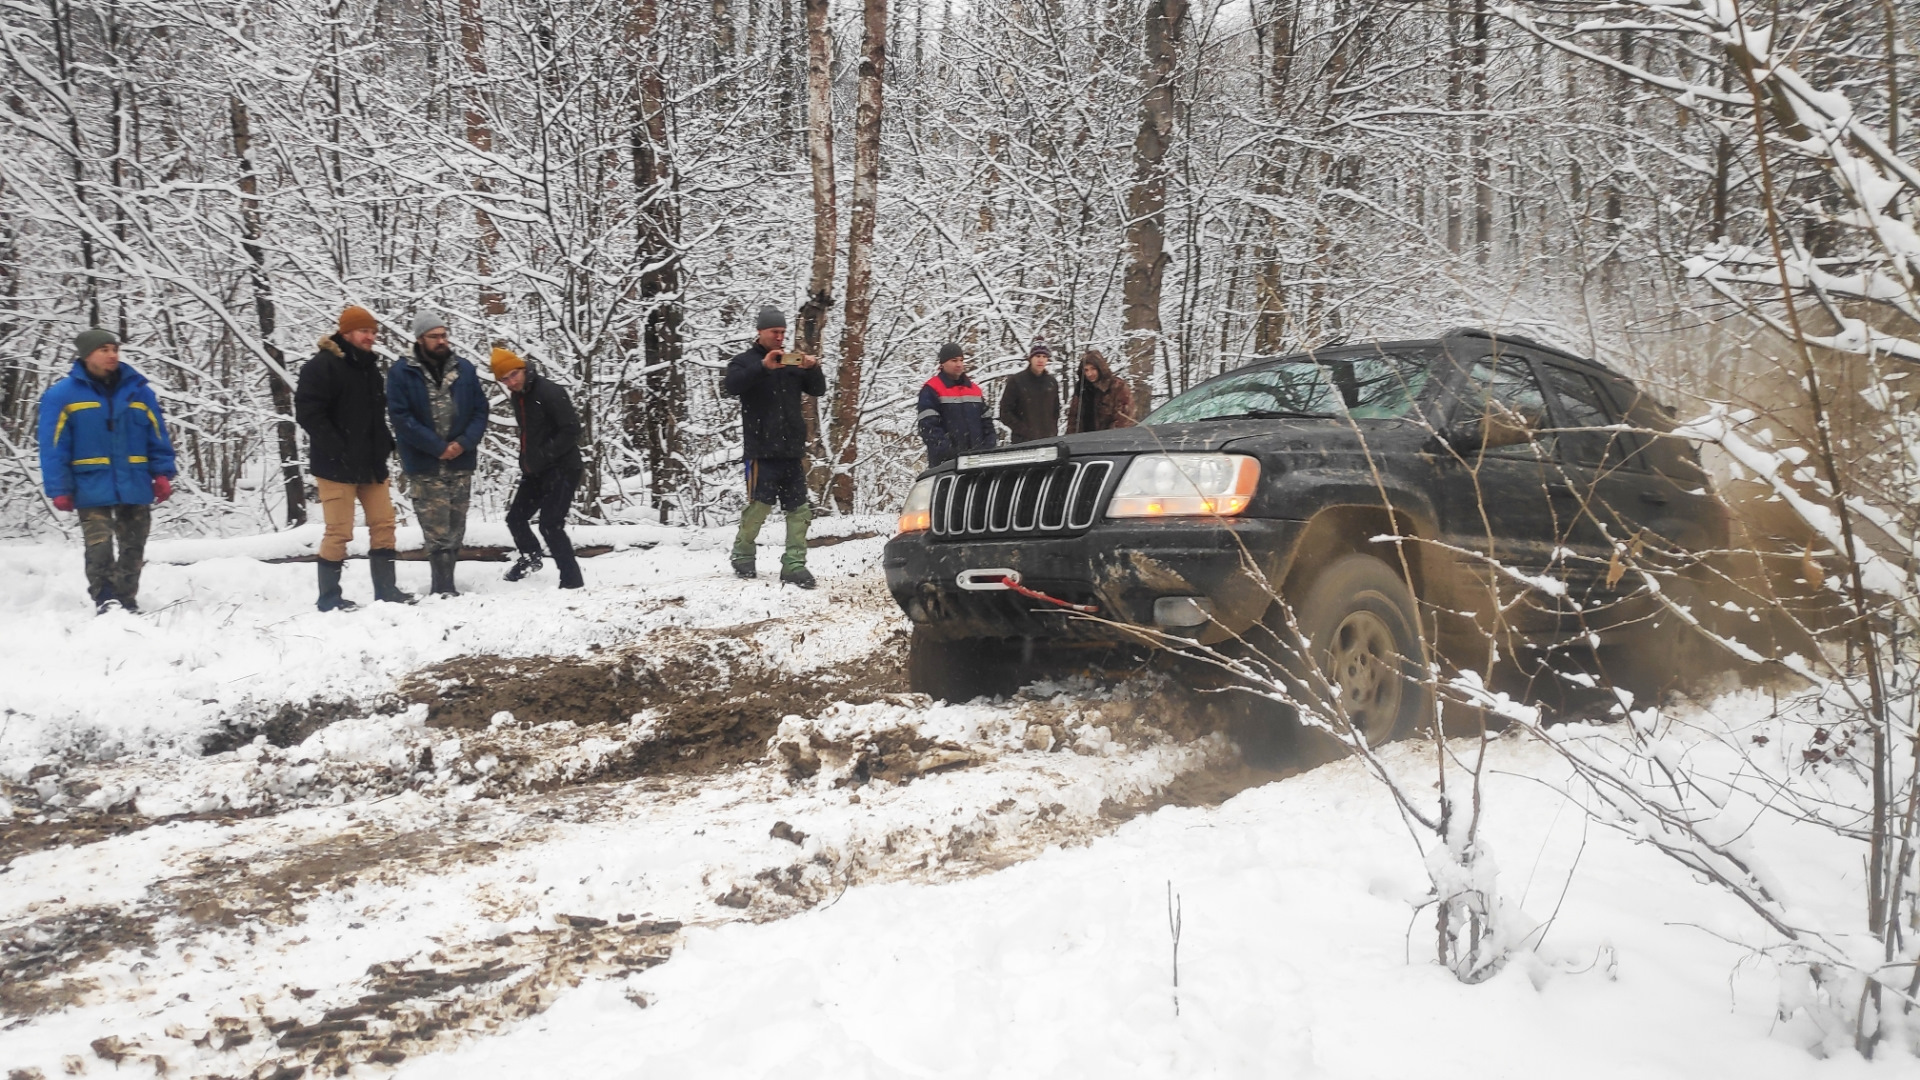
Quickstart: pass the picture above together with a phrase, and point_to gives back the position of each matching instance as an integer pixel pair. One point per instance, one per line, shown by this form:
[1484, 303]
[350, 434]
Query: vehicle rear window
[1364, 386]
[1582, 402]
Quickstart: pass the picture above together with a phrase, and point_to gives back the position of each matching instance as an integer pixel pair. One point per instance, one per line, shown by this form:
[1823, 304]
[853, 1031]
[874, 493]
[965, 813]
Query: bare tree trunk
[1456, 59]
[845, 425]
[826, 221]
[1269, 282]
[656, 190]
[1482, 166]
[1147, 200]
[63, 57]
[251, 230]
[473, 46]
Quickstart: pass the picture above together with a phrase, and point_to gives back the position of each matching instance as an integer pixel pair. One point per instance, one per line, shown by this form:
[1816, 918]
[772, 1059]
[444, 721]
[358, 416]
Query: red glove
[162, 489]
[63, 502]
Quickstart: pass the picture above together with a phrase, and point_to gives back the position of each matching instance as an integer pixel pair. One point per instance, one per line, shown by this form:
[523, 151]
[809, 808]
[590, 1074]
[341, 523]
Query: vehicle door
[1665, 491]
[1494, 499]
[1596, 489]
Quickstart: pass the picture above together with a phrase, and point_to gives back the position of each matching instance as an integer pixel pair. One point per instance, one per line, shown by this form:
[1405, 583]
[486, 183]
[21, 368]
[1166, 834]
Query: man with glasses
[439, 413]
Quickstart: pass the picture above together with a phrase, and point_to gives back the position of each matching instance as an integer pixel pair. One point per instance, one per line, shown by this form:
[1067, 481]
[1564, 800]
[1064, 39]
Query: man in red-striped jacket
[953, 412]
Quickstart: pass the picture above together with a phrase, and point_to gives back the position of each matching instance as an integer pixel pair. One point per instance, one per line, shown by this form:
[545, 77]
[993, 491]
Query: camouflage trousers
[440, 501]
[104, 528]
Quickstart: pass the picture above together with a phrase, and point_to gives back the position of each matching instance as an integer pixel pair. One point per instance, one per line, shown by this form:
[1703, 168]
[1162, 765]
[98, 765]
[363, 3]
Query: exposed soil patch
[224, 891]
[35, 958]
[405, 1008]
[710, 704]
[286, 725]
[80, 828]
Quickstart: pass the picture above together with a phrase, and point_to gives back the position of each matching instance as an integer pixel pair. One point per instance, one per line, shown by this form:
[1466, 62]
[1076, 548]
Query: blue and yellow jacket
[103, 445]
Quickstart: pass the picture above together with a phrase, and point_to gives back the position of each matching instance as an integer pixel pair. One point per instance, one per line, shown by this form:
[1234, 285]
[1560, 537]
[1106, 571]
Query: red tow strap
[1035, 594]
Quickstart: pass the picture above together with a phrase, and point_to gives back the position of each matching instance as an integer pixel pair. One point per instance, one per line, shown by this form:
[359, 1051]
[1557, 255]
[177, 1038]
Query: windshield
[1369, 386]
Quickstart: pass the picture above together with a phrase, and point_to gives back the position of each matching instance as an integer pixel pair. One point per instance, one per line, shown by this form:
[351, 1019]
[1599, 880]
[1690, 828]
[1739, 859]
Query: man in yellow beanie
[341, 402]
[550, 468]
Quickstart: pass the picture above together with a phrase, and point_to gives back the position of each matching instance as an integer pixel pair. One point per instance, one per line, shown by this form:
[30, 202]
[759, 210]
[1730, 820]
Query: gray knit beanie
[770, 319]
[88, 340]
[427, 319]
[951, 351]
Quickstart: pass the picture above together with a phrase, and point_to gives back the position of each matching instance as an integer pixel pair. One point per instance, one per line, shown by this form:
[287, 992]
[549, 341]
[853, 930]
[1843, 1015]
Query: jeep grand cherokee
[1505, 462]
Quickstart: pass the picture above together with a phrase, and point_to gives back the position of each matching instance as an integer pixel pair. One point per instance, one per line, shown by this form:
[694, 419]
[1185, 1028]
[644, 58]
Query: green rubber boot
[754, 516]
[793, 565]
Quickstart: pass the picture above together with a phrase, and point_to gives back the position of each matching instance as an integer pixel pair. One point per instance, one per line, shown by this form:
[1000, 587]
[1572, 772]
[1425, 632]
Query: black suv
[1513, 470]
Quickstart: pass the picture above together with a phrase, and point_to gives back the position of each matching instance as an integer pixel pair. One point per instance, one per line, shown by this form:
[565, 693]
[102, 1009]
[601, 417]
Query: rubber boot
[442, 563]
[330, 598]
[793, 564]
[754, 516]
[384, 588]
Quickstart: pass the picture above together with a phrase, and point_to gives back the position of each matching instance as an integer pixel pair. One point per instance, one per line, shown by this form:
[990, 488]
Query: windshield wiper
[1270, 414]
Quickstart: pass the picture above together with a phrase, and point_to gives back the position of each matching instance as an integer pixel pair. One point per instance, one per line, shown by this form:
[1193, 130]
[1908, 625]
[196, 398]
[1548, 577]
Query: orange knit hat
[505, 361]
[357, 318]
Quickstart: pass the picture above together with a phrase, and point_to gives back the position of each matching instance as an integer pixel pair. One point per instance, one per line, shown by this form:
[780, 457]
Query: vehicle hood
[1267, 436]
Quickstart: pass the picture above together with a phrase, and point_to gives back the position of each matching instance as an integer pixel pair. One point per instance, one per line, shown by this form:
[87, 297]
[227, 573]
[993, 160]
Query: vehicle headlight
[1171, 485]
[917, 514]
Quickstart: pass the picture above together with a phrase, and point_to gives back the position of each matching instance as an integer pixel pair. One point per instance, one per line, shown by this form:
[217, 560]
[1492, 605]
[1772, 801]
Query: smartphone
[790, 359]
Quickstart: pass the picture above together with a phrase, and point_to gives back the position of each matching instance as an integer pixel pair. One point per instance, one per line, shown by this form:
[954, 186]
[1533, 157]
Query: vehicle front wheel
[1363, 649]
[953, 669]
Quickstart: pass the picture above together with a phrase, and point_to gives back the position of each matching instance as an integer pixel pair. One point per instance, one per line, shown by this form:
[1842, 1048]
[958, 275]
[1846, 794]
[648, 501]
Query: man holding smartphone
[769, 379]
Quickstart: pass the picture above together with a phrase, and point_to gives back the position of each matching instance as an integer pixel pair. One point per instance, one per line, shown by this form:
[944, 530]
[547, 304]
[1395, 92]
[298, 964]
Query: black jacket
[1030, 406]
[549, 428]
[770, 418]
[341, 402]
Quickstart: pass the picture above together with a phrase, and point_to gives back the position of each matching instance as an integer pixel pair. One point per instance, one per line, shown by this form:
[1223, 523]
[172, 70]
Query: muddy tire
[1363, 648]
[954, 670]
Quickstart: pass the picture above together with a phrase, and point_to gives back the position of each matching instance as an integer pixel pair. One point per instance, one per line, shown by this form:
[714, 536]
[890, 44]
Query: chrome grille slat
[1056, 497]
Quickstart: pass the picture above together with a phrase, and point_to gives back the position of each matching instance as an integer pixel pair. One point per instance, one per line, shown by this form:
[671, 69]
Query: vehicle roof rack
[1519, 339]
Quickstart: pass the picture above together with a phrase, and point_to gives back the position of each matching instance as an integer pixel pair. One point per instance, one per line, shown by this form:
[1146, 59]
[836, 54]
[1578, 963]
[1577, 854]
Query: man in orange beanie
[341, 402]
[550, 468]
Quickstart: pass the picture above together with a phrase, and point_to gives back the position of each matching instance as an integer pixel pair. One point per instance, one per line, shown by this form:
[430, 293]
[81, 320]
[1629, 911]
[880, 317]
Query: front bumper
[1120, 566]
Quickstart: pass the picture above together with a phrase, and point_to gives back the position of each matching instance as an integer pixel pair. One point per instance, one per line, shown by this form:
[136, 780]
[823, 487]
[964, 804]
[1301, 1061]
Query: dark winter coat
[103, 444]
[953, 418]
[771, 423]
[1104, 403]
[341, 402]
[411, 411]
[549, 428]
[1030, 406]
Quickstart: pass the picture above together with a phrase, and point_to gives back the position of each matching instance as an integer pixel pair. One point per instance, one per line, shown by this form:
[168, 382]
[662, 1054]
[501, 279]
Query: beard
[438, 352]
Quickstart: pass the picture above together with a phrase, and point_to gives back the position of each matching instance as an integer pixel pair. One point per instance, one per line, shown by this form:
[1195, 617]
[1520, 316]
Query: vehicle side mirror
[1499, 426]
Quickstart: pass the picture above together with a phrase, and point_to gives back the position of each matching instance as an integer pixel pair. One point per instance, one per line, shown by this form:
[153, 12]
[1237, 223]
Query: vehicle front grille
[1061, 497]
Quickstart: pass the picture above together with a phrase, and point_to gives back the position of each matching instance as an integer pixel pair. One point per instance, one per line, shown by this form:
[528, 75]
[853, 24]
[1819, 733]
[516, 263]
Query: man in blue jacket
[104, 451]
[439, 413]
[953, 412]
[769, 379]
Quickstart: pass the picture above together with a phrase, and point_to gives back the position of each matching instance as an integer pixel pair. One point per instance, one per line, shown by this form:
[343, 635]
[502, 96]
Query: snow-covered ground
[681, 825]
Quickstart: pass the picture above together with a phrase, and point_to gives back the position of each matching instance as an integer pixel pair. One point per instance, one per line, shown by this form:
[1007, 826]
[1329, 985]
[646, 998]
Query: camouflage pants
[103, 528]
[440, 501]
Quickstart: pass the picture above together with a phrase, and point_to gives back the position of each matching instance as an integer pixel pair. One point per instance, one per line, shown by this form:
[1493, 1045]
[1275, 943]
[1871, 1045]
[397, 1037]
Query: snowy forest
[694, 821]
[613, 189]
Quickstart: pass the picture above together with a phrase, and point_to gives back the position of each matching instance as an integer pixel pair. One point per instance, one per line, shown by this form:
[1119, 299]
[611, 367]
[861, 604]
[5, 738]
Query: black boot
[528, 563]
[442, 563]
[330, 598]
[384, 588]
